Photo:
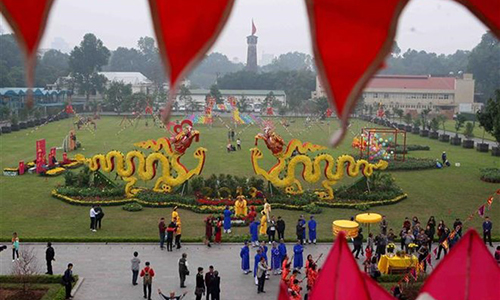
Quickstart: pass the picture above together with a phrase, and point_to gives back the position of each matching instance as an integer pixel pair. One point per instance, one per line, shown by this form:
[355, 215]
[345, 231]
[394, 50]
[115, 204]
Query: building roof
[239, 92]
[133, 78]
[16, 91]
[411, 82]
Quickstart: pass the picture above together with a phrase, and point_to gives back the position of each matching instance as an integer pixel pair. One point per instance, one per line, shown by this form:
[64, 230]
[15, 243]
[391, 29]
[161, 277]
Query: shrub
[411, 163]
[362, 207]
[490, 175]
[69, 179]
[132, 207]
[154, 197]
[312, 209]
[197, 183]
[72, 191]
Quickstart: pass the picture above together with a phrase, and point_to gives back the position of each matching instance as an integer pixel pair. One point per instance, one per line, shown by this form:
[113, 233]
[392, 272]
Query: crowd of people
[170, 233]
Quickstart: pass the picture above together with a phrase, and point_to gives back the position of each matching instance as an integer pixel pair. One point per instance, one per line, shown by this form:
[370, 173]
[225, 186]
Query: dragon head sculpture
[274, 142]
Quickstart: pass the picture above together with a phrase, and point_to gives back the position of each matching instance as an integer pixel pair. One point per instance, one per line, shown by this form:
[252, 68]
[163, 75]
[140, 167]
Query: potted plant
[36, 121]
[490, 121]
[434, 124]
[443, 137]
[23, 116]
[416, 126]
[408, 120]
[459, 123]
[425, 131]
[14, 123]
[6, 129]
[468, 134]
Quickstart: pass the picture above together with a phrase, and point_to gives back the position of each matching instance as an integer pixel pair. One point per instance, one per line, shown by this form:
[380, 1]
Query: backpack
[147, 278]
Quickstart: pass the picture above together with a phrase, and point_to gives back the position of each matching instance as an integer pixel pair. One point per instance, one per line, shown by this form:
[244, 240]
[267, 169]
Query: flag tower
[252, 50]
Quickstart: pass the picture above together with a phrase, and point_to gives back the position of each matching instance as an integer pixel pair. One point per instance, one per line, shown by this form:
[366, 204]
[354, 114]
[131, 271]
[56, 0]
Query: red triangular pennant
[186, 29]
[469, 268]
[340, 277]
[350, 41]
[487, 11]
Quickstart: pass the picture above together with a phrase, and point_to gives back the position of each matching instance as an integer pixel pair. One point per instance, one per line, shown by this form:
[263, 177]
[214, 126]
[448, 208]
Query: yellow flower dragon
[135, 163]
[295, 155]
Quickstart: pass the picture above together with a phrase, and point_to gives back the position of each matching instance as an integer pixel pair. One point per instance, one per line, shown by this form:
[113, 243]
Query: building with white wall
[139, 82]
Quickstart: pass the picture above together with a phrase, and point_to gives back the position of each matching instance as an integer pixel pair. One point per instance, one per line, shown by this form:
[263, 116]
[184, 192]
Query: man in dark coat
[50, 255]
[183, 269]
[208, 281]
[280, 227]
[215, 286]
[67, 280]
[358, 243]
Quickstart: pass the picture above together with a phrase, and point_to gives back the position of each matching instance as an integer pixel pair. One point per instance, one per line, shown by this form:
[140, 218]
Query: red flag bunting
[470, 269]
[480, 211]
[490, 201]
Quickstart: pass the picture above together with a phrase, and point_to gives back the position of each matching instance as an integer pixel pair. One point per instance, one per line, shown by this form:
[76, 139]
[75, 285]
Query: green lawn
[478, 131]
[28, 208]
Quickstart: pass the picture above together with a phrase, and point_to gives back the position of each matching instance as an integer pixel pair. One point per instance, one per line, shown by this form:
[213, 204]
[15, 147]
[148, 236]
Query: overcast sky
[440, 26]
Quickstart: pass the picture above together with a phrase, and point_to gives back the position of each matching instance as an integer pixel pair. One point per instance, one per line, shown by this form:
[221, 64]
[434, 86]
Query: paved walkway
[106, 268]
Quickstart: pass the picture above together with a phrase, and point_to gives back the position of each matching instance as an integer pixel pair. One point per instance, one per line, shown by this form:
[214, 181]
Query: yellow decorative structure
[135, 164]
[295, 155]
[263, 224]
[349, 227]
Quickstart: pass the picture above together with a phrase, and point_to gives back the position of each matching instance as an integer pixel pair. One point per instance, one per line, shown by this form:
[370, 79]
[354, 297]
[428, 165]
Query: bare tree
[24, 268]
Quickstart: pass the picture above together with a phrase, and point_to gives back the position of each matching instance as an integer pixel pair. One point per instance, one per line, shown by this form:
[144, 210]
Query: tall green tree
[489, 118]
[152, 66]
[86, 61]
[290, 61]
[125, 60]
[215, 93]
[484, 63]
[116, 95]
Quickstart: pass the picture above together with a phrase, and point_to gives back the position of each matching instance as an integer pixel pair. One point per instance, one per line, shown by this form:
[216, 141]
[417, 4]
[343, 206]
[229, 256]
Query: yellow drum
[349, 227]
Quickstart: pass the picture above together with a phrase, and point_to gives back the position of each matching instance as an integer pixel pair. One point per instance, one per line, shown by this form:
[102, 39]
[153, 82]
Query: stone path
[106, 268]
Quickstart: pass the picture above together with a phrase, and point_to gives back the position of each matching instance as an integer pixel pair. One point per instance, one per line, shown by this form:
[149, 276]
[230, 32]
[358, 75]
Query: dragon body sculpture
[295, 155]
[136, 165]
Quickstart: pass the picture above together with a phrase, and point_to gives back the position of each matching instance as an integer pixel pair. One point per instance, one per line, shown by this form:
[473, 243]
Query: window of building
[445, 96]
[386, 96]
[375, 95]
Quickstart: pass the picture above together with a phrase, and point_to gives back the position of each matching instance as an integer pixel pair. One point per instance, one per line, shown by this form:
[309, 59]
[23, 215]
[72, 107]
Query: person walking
[93, 215]
[135, 267]
[208, 281]
[50, 255]
[99, 216]
[178, 234]
[171, 296]
[280, 227]
[261, 275]
[299, 230]
[183, 269]
[487, 226]
[215, 286]
[67, 280]
[162, 228]
[147, 275]
[170, 235]
[443, 242]
[358, 243]
[15, 246]
[200, 284]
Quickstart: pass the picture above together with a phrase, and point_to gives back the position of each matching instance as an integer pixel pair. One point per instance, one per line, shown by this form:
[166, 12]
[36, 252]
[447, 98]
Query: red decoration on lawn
[185, 30]
[469, 268]
[340, 277]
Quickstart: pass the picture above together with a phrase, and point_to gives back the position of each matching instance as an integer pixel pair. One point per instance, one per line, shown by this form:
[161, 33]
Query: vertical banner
[40, 155]
[21, 168]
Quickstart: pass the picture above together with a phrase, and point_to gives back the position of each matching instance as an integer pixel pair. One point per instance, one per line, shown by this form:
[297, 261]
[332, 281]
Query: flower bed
[55, 171]
[72, 165]
[10, 171]
[226, 201]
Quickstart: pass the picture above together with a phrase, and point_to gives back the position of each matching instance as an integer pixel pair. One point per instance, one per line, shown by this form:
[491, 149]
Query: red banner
[40, 155]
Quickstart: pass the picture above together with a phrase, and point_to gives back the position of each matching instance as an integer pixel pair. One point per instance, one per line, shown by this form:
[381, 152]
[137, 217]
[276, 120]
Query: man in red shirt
[147, 275]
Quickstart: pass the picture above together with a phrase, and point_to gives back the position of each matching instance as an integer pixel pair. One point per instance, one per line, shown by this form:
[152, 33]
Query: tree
[434, 124]
[321, 104]
[459, 123]
[290, 61]
[86, 61]
[151, 66]
[125, 60]
[398, 112]
[216, 94]
[469, 130]
[270, 99]
[442, 120]
[116, 95]
[184, 93]
[484, 62]
[424, 114]
[488, 118]
[243, 104]
[408, 119]
[282, 110]
[213, 65]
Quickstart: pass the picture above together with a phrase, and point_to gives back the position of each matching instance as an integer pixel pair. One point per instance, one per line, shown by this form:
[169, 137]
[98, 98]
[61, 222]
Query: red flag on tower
[254, 29]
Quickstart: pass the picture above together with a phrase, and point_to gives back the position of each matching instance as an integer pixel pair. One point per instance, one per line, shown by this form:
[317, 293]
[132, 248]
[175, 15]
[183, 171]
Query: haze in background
[439, 26]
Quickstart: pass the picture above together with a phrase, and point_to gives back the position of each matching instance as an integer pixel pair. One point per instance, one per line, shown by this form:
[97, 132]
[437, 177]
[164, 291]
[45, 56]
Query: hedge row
[490, 175]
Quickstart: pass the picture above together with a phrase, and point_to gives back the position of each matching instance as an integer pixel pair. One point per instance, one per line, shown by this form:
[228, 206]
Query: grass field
[28, 208]
[478, 131]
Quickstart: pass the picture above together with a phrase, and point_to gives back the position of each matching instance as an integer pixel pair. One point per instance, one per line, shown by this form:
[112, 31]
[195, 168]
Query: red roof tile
[412, 82]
